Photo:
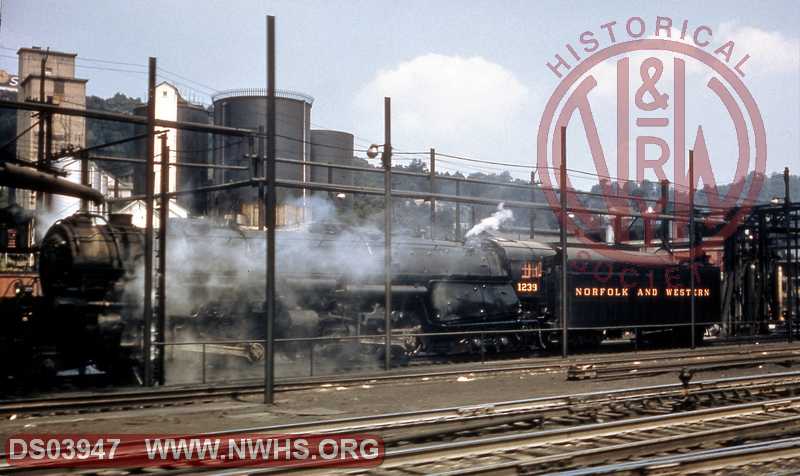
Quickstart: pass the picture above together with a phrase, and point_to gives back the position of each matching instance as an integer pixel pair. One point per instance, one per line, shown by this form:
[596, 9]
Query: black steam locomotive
[331, 284]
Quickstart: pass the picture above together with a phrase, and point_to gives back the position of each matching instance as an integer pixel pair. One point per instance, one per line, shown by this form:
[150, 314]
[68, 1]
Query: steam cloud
[208, 262]
[218, 271]
[491, 223]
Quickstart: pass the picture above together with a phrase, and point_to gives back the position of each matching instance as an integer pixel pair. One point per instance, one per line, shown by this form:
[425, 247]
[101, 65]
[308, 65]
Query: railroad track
[618, 370]
[771, 457]
[650, 363]
[460, 425]
[541, 452]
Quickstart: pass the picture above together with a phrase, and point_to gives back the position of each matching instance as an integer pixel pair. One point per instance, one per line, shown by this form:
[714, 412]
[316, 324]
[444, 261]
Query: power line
[106, 68]
[468, 159]
[205, 86]
[19, 136]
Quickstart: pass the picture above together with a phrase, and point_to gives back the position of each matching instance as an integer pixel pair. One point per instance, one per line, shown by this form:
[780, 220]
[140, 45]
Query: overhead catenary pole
[163, 215]
[563, 212]
[788, 271]
[387, 228]
[269, 344]
[147, 319]
[433, 190]
[691, 244]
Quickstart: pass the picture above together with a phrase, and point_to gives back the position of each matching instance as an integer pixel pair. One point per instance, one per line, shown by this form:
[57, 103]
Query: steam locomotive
[330, 283]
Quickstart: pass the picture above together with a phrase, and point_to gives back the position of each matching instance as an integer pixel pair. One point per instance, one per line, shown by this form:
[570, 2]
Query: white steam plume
[491, 223]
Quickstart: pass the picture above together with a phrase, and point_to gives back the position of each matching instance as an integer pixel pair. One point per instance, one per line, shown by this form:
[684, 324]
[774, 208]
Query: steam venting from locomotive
[331, 284]
[491, 223]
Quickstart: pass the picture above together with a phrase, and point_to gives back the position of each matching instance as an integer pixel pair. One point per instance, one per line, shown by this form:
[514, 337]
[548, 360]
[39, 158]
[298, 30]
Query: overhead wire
[421, 155]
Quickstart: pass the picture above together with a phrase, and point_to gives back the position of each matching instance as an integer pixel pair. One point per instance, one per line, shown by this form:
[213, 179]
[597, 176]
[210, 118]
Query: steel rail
[708, 460]
[166, 395]
[419, 425]
[540, 451]
[615, 371]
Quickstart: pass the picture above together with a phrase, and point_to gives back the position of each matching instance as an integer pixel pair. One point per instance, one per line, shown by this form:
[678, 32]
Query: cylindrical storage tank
[193, 147]
[247, 109]
[331, 147]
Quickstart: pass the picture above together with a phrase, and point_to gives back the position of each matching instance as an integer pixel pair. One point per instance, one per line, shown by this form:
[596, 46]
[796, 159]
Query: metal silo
[332, 147]
[246, 108]
[193, 147]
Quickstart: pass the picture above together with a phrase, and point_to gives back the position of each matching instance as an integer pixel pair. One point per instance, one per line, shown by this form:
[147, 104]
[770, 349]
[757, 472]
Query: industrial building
[60, 87]
[297, 145]
[185, 147]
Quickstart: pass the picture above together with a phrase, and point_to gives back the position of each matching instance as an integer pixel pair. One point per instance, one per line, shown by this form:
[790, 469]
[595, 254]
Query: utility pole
[42, 124]
[691, 241]
[162, 255]
[147, 332]
[789, 264]
[563, 197]
[433, 190]
[387, 228]
[269, 357]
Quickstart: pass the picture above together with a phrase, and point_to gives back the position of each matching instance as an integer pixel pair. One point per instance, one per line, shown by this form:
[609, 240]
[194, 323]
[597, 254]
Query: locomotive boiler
[80, 320]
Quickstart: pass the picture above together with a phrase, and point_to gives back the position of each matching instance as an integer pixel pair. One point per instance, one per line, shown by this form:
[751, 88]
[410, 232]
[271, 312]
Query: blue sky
[466, 77]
